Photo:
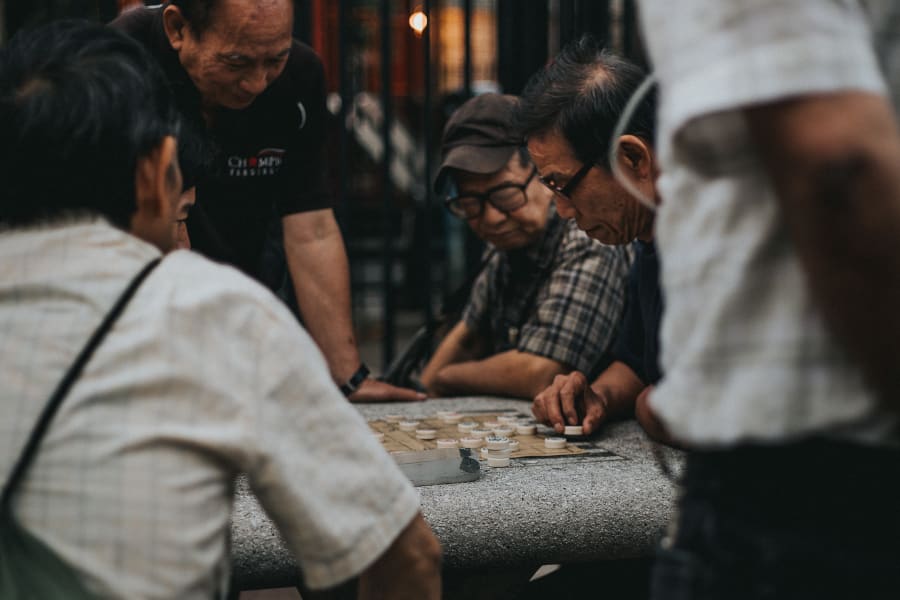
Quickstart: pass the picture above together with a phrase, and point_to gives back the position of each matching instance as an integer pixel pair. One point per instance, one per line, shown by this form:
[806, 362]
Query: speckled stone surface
[537, 511]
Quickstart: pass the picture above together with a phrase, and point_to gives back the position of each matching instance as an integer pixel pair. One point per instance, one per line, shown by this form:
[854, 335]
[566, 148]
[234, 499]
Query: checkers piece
[498, 462]
[467, 426]
[526, 429]
[496, 443]
[408, 425]
[574, 430]
[426, 434]
[556, 443]
[470, 442]
[447, 443]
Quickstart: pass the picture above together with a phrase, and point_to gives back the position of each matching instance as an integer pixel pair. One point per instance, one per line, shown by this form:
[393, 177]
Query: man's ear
[156, 179]
[175, 26]
[636, 158]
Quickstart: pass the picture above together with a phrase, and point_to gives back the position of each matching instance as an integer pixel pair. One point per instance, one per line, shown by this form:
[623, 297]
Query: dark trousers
[815, 520]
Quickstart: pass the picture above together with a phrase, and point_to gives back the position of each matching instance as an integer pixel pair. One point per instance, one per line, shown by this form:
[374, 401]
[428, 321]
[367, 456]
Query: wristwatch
[355, 380]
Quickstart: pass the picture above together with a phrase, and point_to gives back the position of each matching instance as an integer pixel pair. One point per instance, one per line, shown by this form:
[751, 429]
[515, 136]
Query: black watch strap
[355, 380]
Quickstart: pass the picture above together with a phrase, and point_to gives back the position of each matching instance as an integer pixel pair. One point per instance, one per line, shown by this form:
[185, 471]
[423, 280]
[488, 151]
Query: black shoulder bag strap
[70, 378]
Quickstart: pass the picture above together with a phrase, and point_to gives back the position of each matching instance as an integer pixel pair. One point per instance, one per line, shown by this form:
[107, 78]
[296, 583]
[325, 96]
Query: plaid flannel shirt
[561, 298]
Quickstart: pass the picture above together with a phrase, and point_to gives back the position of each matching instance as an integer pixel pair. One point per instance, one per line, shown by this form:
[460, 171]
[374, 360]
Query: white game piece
[498, 462]
[526, 429]
[480, 433]
[496, 443]
[408, 425]
[469, 442]
[513, 445]
[467, 426]
[426, 434]
[378, 436]
[508, 420]
[503, 432]
[447, 443]
[491, 424]
[393, 418]
[555, 443]
[497, 453]
[574, 430]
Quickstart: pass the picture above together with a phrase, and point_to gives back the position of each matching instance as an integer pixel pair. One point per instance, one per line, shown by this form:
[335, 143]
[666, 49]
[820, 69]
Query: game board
[396, 440]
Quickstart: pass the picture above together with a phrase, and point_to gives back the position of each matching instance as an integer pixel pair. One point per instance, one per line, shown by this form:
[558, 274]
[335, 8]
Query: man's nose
[255, 83]
[492, 215]
[564, 207]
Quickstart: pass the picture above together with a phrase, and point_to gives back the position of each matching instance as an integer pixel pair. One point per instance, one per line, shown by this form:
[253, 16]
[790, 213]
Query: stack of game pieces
[498, 451]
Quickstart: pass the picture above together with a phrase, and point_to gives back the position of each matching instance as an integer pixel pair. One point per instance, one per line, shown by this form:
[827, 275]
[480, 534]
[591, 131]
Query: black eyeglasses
[567, 190]
[506, 198]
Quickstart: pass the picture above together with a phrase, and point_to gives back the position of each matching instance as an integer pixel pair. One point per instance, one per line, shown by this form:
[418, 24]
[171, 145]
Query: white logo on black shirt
[266, 162]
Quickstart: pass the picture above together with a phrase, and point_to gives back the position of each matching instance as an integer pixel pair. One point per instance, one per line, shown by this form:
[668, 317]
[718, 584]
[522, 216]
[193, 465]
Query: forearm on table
[835, 162]
[462, 343]
[320, 272]
[620, 386]
[512, 373]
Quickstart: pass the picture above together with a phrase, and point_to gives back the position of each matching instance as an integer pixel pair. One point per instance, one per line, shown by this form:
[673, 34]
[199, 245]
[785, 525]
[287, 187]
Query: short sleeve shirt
[268, 158]
[205, 375]
[561, 298]
[746, 354]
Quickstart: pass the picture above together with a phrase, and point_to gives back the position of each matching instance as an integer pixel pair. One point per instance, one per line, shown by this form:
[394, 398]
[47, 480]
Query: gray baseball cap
[480, 136]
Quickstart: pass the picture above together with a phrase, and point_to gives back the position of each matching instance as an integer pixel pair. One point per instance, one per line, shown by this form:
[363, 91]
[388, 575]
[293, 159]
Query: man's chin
[238, 103]
[605, 235]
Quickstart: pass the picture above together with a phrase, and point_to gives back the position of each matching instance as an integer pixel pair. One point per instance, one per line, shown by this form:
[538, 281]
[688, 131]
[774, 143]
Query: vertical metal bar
[467, 48]
[387, 220]
[346, 103]
[426, 225]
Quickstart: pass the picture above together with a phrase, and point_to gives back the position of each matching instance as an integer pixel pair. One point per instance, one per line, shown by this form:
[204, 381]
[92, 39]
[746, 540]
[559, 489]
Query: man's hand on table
[372, 390]
[570, 400]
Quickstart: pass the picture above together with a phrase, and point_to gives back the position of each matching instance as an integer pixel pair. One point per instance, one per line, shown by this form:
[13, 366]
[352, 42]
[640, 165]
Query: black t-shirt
[638, 343]
[268, 159]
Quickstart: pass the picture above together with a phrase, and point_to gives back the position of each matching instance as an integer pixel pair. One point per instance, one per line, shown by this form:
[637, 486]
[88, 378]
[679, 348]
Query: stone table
[612, 503]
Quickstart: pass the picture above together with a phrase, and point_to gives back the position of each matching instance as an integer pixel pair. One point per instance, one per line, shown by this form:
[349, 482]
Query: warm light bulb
[418, 21]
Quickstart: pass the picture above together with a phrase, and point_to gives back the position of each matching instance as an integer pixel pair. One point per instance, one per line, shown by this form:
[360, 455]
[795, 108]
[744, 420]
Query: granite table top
[612, 502]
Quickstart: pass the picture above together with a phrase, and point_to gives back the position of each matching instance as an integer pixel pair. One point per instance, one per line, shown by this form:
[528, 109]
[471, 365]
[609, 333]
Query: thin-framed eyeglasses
[567, 190]
[505, 197]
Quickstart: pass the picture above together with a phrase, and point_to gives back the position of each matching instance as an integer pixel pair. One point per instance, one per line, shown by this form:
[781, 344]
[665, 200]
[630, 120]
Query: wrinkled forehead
[551, 152]
[245, 24]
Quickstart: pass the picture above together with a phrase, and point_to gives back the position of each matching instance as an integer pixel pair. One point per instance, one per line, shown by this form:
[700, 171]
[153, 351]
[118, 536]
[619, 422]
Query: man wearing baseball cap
[548, 300]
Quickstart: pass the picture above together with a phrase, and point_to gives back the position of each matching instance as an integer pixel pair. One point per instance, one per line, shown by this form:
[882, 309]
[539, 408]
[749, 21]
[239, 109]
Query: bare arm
[461, 344]
[570, 400]
[410, 569]
[512, 373]
[835, 162]
[320, 272]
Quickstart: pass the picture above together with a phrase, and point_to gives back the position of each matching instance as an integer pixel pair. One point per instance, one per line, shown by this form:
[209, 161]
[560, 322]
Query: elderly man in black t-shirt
[259, 96]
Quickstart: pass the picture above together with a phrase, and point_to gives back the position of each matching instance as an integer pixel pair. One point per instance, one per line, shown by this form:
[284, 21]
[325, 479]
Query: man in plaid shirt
[549, 299]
